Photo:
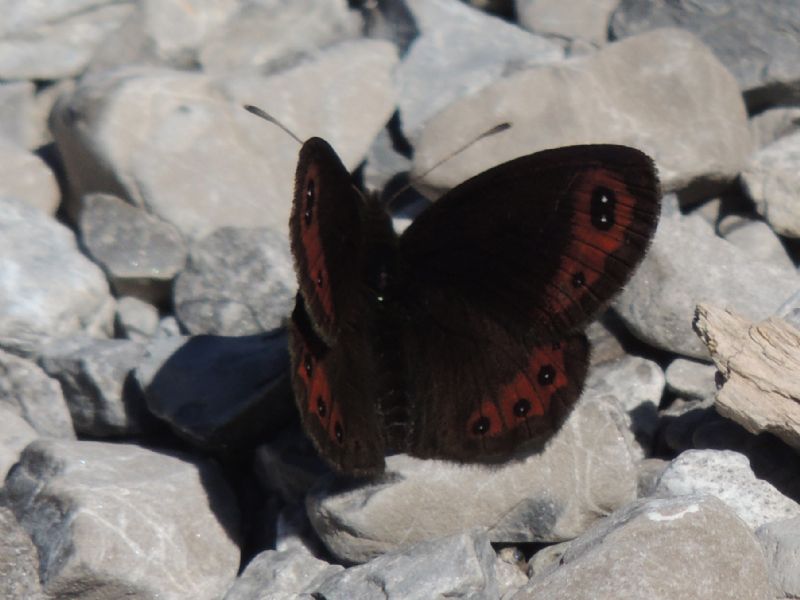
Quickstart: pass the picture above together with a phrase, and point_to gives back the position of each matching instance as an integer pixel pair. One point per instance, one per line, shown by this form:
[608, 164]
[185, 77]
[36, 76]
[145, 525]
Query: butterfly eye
[310, 198]
[603, 208]
[546, 375]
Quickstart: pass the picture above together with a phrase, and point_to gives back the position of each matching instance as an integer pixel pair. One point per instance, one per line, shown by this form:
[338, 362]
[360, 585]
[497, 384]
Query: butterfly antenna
[496, 129]
[268, 117]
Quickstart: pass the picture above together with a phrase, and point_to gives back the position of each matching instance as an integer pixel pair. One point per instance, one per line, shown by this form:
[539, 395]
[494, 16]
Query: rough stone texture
[756, 239]
[137, 320]
[95, 377]
[460, 50]
[218, 392]
[17, 113]
[760, 365]
[459, 566]
[659, 302]
[587, 469]
[295, 29]
[691, 379]
[757, 41]
[687, 114]
[25, 176]
[772, 180]
[726, 475]
[691, 548]
[584, 20]
[28, 391]
[279, 575]
[237, 282]
[780, 541]
[115, 520]
[15, 434]
[140, 253]
[19, 564]
[772, 124]
[58, 42]
[47, 287]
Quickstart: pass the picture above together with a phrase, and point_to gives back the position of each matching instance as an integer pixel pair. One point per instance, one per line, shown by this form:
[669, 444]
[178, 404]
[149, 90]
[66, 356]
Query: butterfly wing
[501, 273]
[334, 396]
[325, 231]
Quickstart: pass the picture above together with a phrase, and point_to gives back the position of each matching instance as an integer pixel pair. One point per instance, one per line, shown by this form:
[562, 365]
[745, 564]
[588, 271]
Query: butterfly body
[461, 338]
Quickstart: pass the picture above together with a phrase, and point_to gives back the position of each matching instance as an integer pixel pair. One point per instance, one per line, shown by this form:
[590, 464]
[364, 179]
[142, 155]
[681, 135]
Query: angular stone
[588, 468]
[781, 543]
[459, 566]
[140, 253]
[19, 564]
[296, 29]
[460, 51]
[136, 319]
[219, 392]
[757, 41]
[15, 434]
[659, 549]
[95, 377]
[17, 121]
[278, 575]
[47, 287]
[28, 391]
[584, 21]
[658, 303]
[238, 281]
[116, 520]
[772, 180]
[772, 124]
[688, 114]
[57, 42]
[691, 379]
[726, 475]
[24, 176]
[756, 239]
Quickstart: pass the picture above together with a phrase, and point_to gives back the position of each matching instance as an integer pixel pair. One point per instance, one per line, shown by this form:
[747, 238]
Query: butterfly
[462, 338]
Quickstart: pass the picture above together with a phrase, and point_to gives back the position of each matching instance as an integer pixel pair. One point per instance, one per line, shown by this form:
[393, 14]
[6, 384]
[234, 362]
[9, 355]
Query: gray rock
[136, 319]
[288, 466]
[637, 383]
[199, 161]
[19, 564]
[660, 549]
[606, 345]
[15, 434]
[659, 302]
[17, 122]
[28, 391]
[757, 41]
[510, 570]
[57, 42]
[116, 520]
[218, 392]
[728, 476]
[780, 541]
[295, 29]
[168, 327]
[682, 419]
[755, 238]
[650, 470]
[549, 496]
[612, 96]
[546, 559]
[768, 126]
[140, 253]
[772, 180]
[25, 176]
[163, 32]
[790, 310]
[238, 281]
[584, 21]
[280, 575]
[95, 377]
[47, 287]
[459, 51]
[459, 566]
[691, 379]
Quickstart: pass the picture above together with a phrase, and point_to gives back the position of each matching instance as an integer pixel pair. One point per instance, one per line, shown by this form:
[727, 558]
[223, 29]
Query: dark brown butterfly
[460, 339]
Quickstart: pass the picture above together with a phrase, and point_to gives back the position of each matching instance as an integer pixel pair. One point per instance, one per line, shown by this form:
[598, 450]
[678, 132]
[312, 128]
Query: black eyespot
[578, 279]
[319, 279]
[322, 408]
[481, 426]
[522, 407]
[338, 432]
[308, 365]
[547, 375]
[603, 208]
[310, 198]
